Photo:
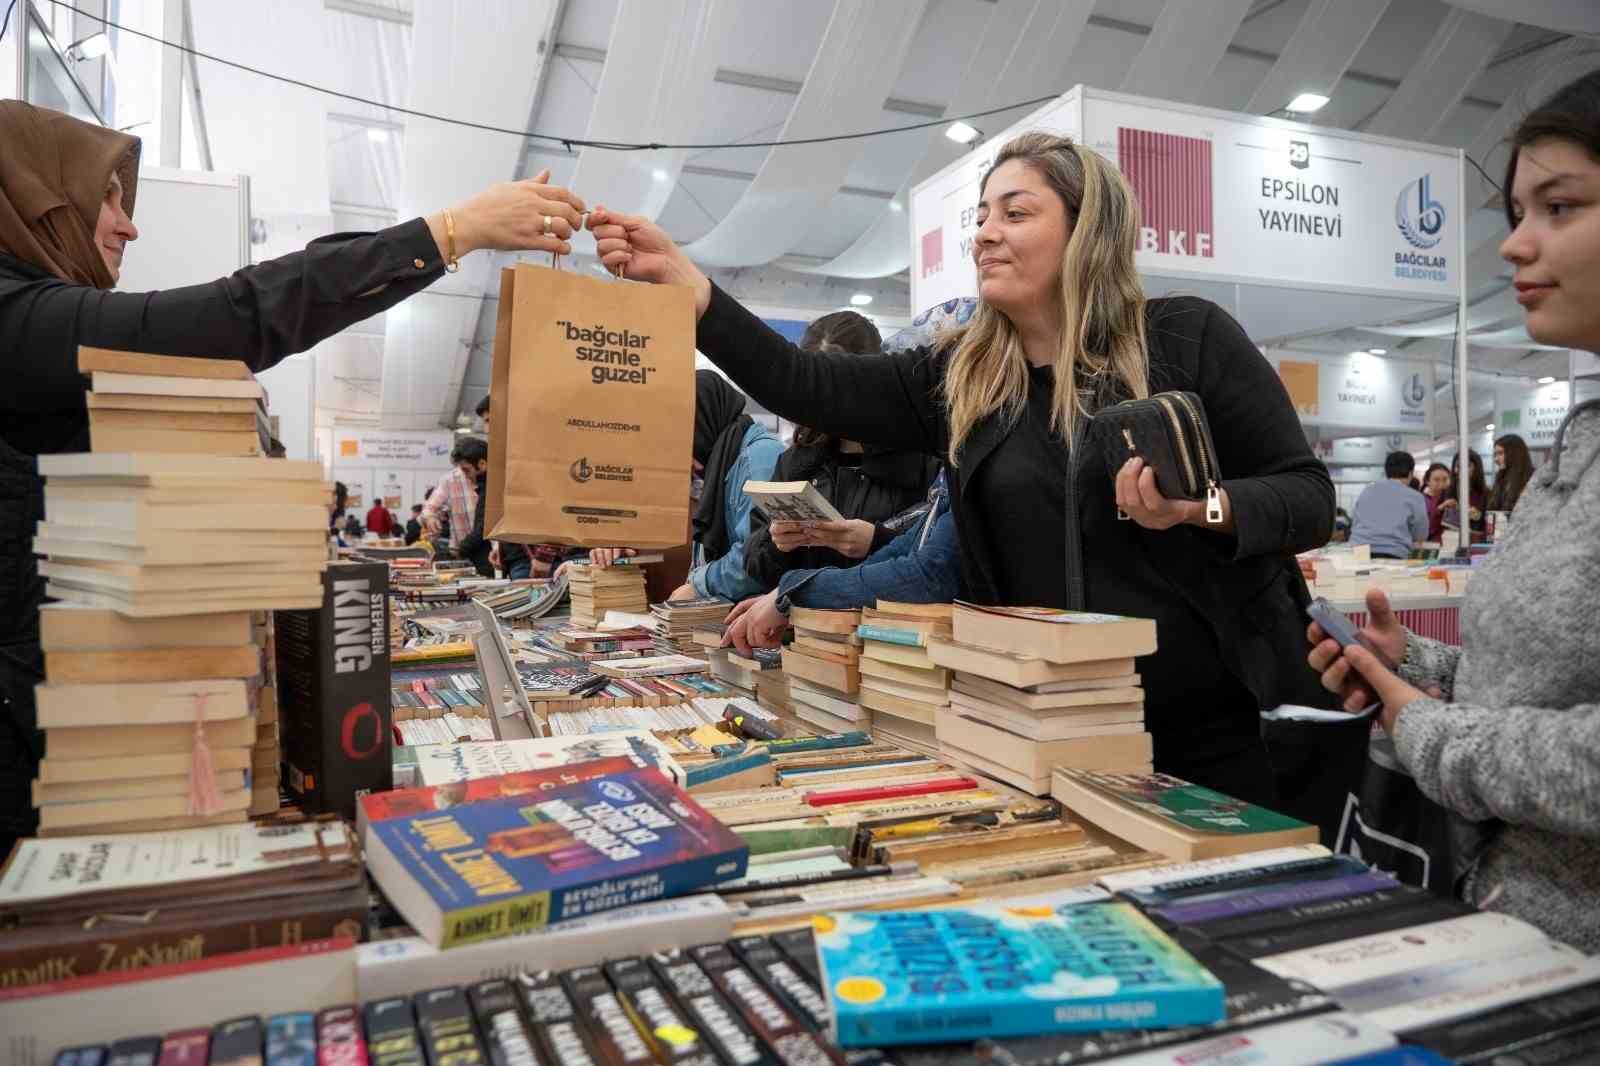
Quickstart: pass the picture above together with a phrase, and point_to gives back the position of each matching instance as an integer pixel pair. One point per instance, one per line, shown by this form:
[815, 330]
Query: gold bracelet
[452, 264]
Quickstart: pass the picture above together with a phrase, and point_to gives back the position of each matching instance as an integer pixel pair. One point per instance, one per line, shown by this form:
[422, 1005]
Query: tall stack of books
[158, 403]
[676, 620]
[822, 668]
[596, 590]
[1037, 688]
[905, 689]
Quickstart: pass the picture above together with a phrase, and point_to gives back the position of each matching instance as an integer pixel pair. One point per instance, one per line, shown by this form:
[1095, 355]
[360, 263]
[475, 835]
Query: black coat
[1246, 587]
[879, 487]
[474, 547]
[259, 314]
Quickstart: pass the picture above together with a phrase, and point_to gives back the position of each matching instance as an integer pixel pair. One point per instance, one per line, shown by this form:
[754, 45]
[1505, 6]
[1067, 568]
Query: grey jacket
[1517, 735]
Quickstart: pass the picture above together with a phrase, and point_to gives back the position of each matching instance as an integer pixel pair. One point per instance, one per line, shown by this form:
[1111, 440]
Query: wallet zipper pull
[1213, 504]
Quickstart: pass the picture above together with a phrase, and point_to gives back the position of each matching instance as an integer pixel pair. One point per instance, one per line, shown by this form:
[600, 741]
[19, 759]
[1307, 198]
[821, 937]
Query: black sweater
[1244, 588]
[873, 487]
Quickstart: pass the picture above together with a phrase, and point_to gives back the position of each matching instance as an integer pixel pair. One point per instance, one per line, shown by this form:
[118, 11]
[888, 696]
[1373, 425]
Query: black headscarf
[719, 427]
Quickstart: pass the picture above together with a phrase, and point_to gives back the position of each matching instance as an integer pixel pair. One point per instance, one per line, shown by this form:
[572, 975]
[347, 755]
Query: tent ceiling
[1458, 72]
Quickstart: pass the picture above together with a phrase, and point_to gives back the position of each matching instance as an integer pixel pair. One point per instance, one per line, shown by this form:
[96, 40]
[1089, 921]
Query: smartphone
[1341, 629]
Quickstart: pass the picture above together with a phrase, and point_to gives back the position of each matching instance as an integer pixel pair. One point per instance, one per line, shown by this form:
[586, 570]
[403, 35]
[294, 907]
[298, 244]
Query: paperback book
[989, 970]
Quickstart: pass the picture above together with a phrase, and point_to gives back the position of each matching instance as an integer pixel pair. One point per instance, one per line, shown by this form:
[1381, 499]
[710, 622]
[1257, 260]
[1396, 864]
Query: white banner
[397, 449]
[1359, 391]
[1237, 197]
[1533, 414]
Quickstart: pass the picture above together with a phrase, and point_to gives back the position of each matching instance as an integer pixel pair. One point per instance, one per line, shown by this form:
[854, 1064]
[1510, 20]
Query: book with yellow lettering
[499, 867]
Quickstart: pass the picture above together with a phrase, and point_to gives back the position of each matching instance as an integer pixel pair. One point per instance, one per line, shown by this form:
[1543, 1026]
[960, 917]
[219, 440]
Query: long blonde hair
[1103, 347]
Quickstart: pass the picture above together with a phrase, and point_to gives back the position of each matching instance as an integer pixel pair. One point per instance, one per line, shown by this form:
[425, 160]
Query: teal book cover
[890, 635]
[915, 977]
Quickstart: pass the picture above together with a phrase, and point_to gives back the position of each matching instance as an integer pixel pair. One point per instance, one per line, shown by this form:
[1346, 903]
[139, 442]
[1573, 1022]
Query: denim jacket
[726, 577]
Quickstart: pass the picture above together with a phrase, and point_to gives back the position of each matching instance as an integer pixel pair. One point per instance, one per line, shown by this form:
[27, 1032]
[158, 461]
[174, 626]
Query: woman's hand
[1383, 631]
[1474, 514]
[787, 536]
[1140, 499]
[684, 591]
[756, 623]
[1394, 693]
[1447, 504]
[644, 252]
[604, 557]
[511, 216]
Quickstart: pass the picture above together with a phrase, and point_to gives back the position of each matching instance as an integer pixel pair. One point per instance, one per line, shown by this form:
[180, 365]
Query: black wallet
[1169, 432]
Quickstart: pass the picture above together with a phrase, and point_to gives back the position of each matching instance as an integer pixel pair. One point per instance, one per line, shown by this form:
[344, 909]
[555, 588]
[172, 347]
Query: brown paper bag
[593, 401]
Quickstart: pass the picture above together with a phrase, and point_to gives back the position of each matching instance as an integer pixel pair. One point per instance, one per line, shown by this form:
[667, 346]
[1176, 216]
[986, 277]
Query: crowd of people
[962, 467]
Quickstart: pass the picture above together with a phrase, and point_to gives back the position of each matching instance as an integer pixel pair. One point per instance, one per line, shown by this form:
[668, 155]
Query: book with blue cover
[910, 977]
[502, 866]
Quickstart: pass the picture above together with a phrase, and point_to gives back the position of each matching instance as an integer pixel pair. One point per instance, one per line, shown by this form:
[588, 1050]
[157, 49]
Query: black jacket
[1246, 587]
[473, 546]
[875, 489]
[259, 314]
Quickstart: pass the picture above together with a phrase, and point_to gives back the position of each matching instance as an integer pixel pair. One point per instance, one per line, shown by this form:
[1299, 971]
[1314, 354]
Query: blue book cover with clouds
[910, 977]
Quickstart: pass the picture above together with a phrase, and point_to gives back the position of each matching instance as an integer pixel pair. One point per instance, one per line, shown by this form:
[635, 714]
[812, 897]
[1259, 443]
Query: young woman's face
[113, 229]
[1438, 483]
[1499, 457]
[1022, 236]
[1556, 200]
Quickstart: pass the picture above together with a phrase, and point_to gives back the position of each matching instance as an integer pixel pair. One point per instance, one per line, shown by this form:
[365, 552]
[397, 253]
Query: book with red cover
[404, 802]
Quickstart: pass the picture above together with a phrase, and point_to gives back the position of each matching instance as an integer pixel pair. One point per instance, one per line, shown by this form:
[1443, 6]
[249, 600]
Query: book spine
[392, 1033]
[1331, 1037]
[1487, 984]
[561, 1035]
[237, 1041]
[291, 1040]
[339, 1039]
[1511, 1027]
[188, 1048]
[123, 949]
[1211, 871]
[616, 1038]
[1302, 914]
[1344, 962]
[1309, 869]
[134, 1051]
[657, 1016]
[88, 1055]
[1234, 904]
[734, 1041]
[448, 1036]
[494, 1004]
[907, 637]
[794, 1040]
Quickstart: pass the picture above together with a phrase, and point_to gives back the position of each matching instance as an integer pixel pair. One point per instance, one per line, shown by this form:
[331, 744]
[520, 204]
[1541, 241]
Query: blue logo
[1415, 393]
[1419, 216]
[616, 790]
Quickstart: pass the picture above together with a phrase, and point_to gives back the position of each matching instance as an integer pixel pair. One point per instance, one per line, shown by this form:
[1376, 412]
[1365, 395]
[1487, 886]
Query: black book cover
[339, 1039]
[1576, 1047]
[135, 1051]
[767, 1015]
[615, 1037]
[238, 1042]
[1513, 1027]
[1332, 930]
[800, 947]
[1252, 997]
[392, 1033]
[1302, 913]
[721, 1027]
[780, 975]
[561, 1035]
[444, 1019]
[1319, 869]
[494, 1004]
[90, 1055]
[658, 1018]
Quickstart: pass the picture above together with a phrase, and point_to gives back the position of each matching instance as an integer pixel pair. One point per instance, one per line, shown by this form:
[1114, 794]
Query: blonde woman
[1062, 329]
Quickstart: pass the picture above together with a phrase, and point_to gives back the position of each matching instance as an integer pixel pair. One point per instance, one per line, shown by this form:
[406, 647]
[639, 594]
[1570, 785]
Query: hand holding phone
[1338, 627]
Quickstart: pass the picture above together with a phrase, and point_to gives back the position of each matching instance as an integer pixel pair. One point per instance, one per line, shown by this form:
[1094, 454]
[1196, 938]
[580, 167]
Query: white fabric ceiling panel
[1563, 16]
[1439, 77]
[1183, 48]
[1497, 310]
[858, 61]
[1331, 33]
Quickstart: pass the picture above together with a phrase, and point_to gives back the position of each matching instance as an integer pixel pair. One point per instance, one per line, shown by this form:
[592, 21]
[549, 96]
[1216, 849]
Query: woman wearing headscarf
[67, 195]
[730, 448]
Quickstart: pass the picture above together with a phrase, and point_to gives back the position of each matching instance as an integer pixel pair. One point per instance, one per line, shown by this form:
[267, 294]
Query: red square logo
[1171, 176]
[933, 251]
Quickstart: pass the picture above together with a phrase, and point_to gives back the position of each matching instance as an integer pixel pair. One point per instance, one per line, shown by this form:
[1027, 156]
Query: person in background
[1504, 730]
[1062, 330]
[1477, 495]
[866, 485]
[341, 500]
[1341, 526]
[921, 565]
[452, 507]
[414, 525]
[471, 456]
[1435, 487]
[1513, 467]
[1391, 516]
[379, 520]
[352, 530]
[509, 556]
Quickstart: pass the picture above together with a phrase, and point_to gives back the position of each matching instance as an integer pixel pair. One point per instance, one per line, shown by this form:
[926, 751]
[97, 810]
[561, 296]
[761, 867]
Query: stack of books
[743, 672]
[823, 669]
[905, 689]
[129, 703]
[158, 403]
[596, 590]
[1036, 688]
[676, 620]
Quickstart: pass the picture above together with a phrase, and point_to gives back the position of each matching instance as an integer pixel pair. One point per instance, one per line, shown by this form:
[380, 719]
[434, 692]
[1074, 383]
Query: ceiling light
[91, 47]
[463, 429]
[1377, 351]
[1489, 428]
[896, 206]
[659, 175]
[962, 133]
[1547, 381]
[860, 299]
[1306, 103]
[377, 135]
